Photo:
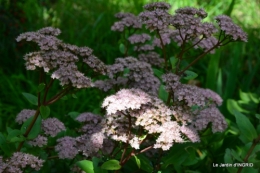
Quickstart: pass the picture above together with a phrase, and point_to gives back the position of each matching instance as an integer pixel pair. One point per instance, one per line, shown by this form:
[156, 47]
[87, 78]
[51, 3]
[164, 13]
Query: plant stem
[37, 113]
[163, 49]
[255, 142]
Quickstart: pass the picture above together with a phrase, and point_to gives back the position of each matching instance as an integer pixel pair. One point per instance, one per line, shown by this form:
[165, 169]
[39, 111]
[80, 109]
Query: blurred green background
[87, 23]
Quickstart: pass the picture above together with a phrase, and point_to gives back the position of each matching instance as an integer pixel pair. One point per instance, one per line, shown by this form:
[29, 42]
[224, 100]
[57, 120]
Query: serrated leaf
[245, 126]
[41, 87]
[35, 129]
[111, 165]
[122, 48]
[45, 111]
[138, 162]
[86, 166]
[31, 98]
[190, 75]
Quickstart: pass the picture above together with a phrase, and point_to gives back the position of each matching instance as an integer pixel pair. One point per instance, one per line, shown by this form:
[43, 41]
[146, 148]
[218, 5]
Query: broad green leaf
[245, 126]
[236, 156]
[45, 111]
[163, 94]
[244, 96]
[228, 158]
[111, 165]
[41, 87]
[190, 75]
[13, 133]
[31, 98]
[35, 129]
[86, 166]
[233, 105]
[157, 72]
[173, 62]
[18, 139]
[97, 169]
[137, 161]
[255, 98]
[73, 115]
[122, 48]
[145, 163]
[5, 146]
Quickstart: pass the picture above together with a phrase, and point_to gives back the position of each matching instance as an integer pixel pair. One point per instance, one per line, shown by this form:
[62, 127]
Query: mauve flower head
[90, 144]
[127, 20]
[144, 48]
[91, 123]
[60, 59]
[52, 126]
[39, 141]
[191, 133]
[166, 38]
[210, 115]
[152, 58]
[157, 5]
[206, 44]
[19, 161]
[139, 38]
[66, 147]
[235, 32]
[24, 115]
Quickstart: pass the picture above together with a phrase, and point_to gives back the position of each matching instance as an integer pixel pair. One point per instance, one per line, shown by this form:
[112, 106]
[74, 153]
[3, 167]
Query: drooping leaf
[245, 126]
[86, 166]
[45, 111]
[111, 165]
[233, 105]
[13, 133]
[35, 129]
[31, 98]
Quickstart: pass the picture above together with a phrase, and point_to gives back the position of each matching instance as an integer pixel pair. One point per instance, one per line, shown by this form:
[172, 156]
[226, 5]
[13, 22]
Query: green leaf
[64, 98]
[18, 139]
[173, 62]
[190, 75]
[96, 161]
[163, 94]
[5, 146]
[245, 126]
[73, 115]
[45, 111]
[13, 133]
[111, 165]
[228, 158]
[31, 98]
[74, 96]
[35, 129]
[145, 163]
[233, 105]
[122, 48]
[86, 166]
[157, 72]
[137, 162]
[41, 87]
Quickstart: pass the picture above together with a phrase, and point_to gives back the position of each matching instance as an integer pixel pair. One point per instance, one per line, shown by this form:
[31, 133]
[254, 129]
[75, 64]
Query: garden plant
[153, 118]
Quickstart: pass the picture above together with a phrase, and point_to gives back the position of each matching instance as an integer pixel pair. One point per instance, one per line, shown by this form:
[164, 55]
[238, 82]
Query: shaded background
[87, 23]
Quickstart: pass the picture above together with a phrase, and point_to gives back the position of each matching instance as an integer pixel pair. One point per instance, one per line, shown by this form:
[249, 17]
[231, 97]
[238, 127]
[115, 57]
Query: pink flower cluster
[19, 161]
[140, 76]
[60, 58]
[127, 20]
